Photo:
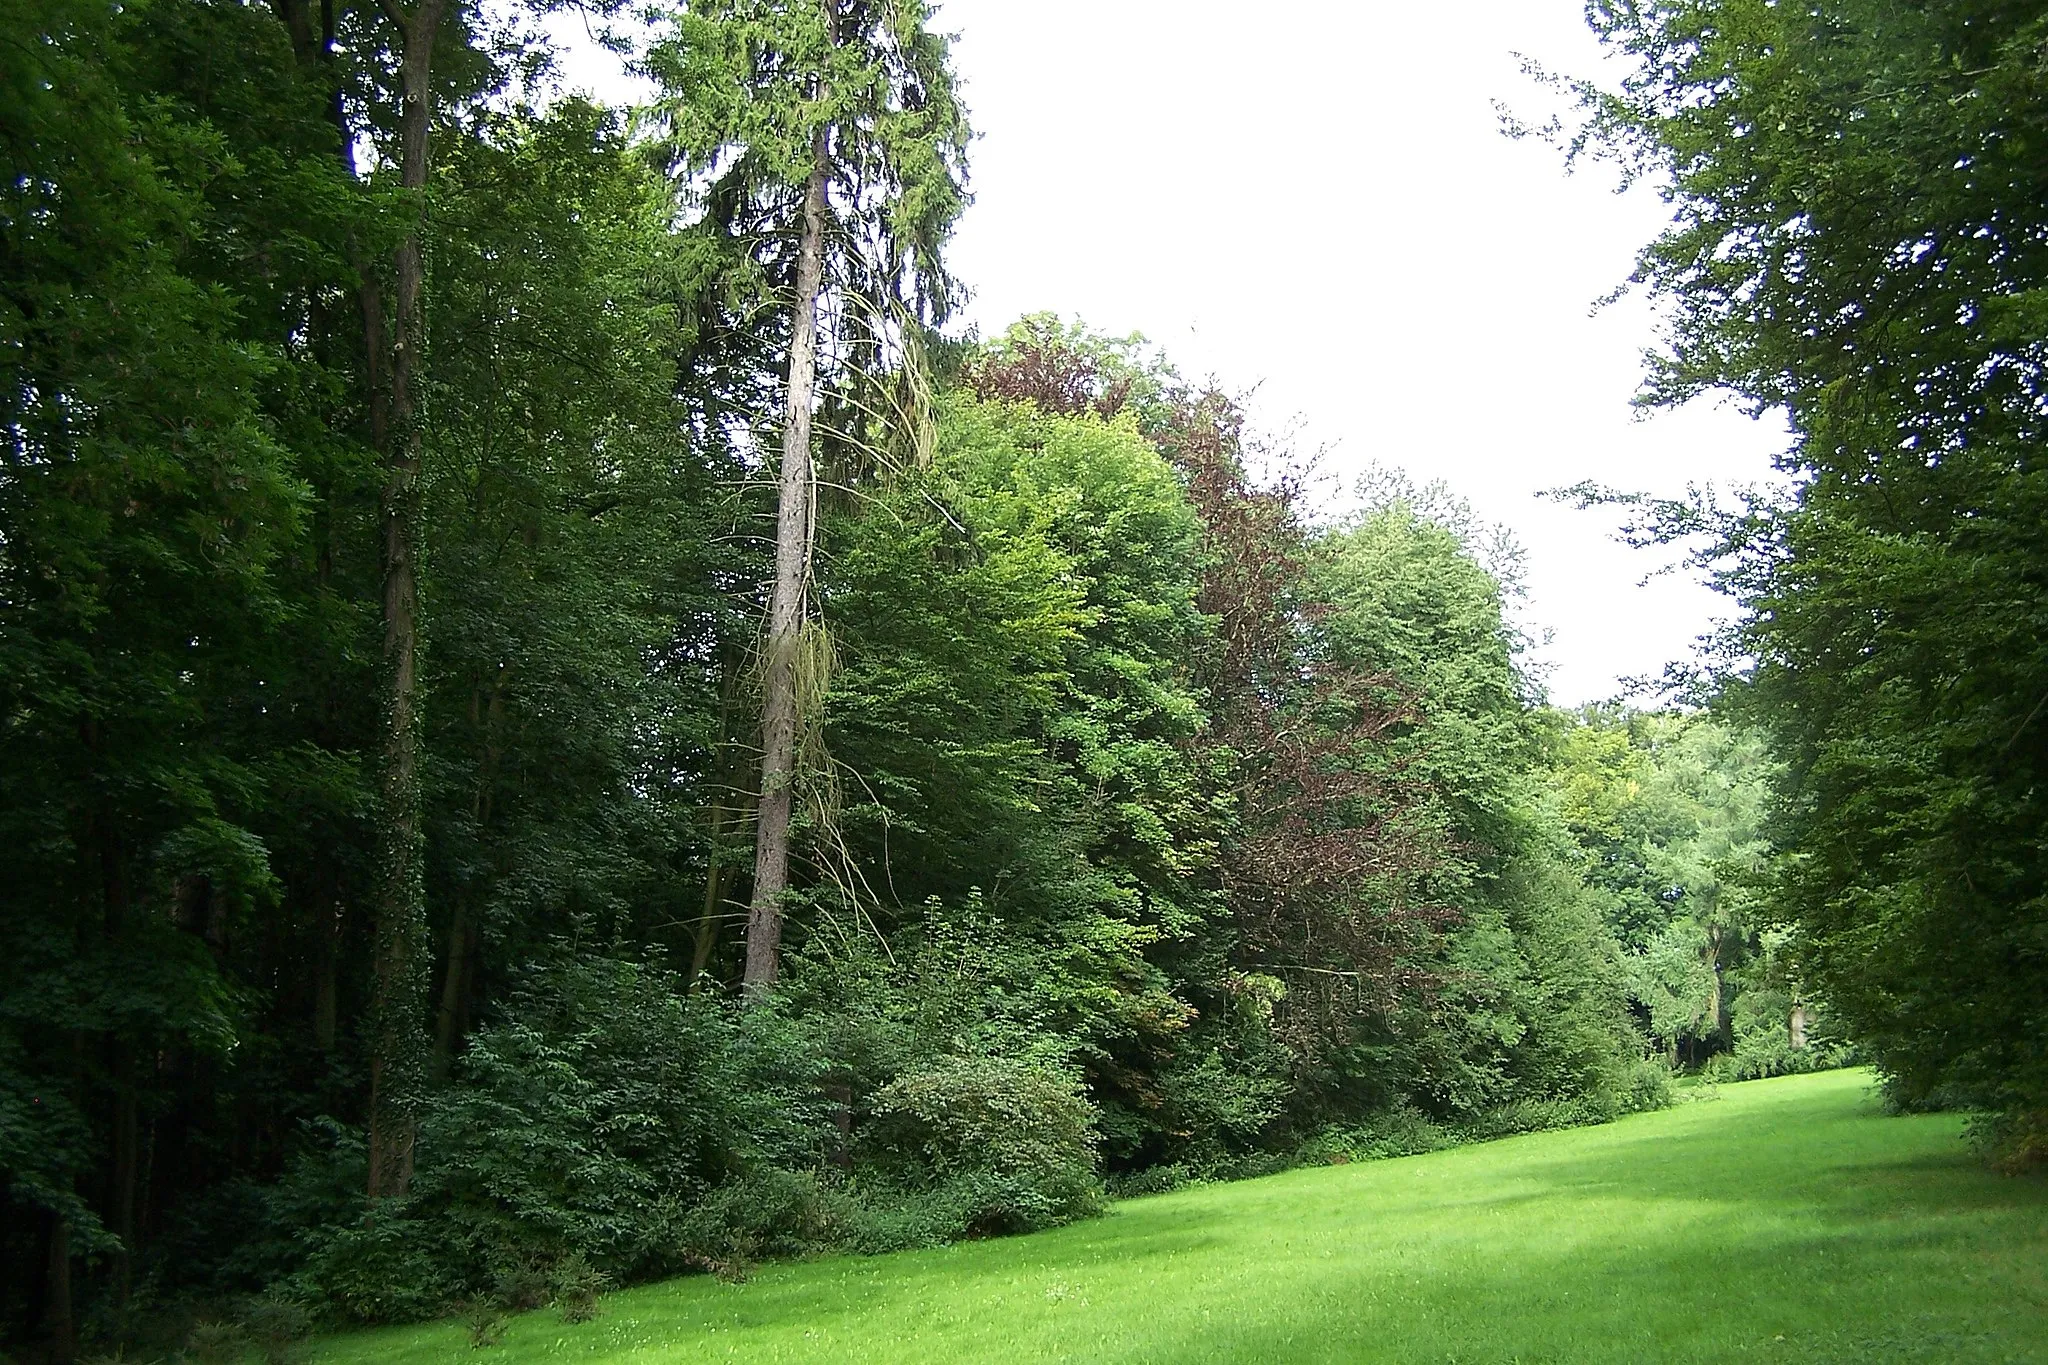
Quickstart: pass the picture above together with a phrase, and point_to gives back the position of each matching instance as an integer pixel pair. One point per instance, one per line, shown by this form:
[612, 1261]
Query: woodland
[562, 724]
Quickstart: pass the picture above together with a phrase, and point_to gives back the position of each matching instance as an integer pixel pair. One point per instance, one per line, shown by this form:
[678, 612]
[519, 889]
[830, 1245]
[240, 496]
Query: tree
[1670, 811]
[836, 122]
[1523, 989]
[576, 521]
[145, 501]
[1859, 242]
[193, 515]
[394, 350]
[397, 1057]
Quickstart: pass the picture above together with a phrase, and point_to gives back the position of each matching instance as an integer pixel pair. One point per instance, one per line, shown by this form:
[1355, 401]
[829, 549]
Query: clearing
[1784, 1220]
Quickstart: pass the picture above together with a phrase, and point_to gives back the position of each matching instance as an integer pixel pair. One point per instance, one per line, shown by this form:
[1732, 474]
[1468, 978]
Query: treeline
[1859, 244]
[399, 648]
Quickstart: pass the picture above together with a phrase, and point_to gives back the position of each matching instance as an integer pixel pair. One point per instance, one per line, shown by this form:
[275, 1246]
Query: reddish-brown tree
[1327, 868]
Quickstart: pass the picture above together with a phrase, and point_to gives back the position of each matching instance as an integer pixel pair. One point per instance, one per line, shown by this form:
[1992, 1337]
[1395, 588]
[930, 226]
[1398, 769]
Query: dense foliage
[381, 674]
[1859, 242]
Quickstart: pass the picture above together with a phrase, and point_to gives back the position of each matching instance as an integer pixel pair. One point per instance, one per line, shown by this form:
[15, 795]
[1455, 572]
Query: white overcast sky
[1313, 198]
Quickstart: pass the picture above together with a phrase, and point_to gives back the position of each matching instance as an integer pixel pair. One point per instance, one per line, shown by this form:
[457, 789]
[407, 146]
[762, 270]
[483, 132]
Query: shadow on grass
[1852, 1238]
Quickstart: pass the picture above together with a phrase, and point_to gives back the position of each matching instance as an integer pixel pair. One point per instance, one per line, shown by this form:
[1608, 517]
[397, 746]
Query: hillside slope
[1783, 1220]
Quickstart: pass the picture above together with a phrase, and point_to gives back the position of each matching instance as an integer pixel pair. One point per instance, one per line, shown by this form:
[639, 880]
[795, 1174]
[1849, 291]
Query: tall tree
[1860, 242]
[836, 123]
[393, 350]
[145, 501]
[398, 1046]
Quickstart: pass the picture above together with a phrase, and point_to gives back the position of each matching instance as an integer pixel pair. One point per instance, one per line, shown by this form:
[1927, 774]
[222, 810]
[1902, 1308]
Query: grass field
[1781, 1220]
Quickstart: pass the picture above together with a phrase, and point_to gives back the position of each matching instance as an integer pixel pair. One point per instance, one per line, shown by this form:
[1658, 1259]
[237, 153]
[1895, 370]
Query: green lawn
[1780, 1220]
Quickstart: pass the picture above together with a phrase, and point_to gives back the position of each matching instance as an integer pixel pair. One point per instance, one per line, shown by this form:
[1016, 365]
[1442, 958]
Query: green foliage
[216, 1343]
[147, 496]
[486, 1325]
[1159, 829]
[749, 86]
[1011, 1144]
[577, 1286]
[1531, 1006]
[1671, 810]
[1858, 242]
[278, 1327]
[586, 1135]
[1015, 625]
[608, 1104]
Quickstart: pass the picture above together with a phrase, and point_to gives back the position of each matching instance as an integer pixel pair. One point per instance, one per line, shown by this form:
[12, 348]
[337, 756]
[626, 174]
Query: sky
[1312, 200]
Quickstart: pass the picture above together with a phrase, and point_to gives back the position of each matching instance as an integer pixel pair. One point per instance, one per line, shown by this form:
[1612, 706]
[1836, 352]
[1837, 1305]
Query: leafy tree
[144, 502]
[1014, 707]
[574, 516]
[1527, 992]
[1858, 242]
[1671, 811]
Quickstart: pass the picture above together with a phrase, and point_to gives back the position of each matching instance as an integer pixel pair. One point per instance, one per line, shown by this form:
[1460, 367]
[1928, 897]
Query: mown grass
[1783, 1220]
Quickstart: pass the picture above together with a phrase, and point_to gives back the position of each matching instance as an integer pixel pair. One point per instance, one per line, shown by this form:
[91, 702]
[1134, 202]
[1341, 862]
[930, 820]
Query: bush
[2015, 1141]
[608, 1105]
[578, 1286]
[1172, 1175]
[486, 1323]
[1646, 1085]
[588, 1127]
[387, 1266]
[767, 1212]
[1400, 1131]
[998, 1145]
[216, 1343]
[1763, 1041]
[279, 1327]
[1533, 1116]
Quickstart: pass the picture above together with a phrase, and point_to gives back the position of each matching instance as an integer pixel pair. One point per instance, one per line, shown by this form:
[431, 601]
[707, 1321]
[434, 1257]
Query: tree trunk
[714, 897]
[57, 1320]
[1713, 956]
[127, 1169]
[397, 1042]
[327, 963]
[794, 528]
[449, 1021]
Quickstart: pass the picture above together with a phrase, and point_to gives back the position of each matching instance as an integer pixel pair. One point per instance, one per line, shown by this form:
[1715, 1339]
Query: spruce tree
[830, 132]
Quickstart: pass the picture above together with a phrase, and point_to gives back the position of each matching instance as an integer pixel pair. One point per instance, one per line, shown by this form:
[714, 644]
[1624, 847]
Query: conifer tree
[831, 129]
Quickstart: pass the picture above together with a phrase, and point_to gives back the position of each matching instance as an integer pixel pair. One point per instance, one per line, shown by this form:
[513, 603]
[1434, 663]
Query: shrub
[995, 1145]
[1763, 1041]
[1533, 1116]
[279, 1327]
[1400, 1131]
[522, 1281]
[386, 1266]
[486, 1323]
[578, 1285]
[1645, 1086]
[1154, 1180]
[607, 1105]
[215, 1343]
[2015, 1141]
[767, 1212]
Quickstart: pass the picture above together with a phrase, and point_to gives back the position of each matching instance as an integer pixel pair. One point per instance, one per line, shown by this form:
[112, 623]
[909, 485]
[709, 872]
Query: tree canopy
[1858, 242]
